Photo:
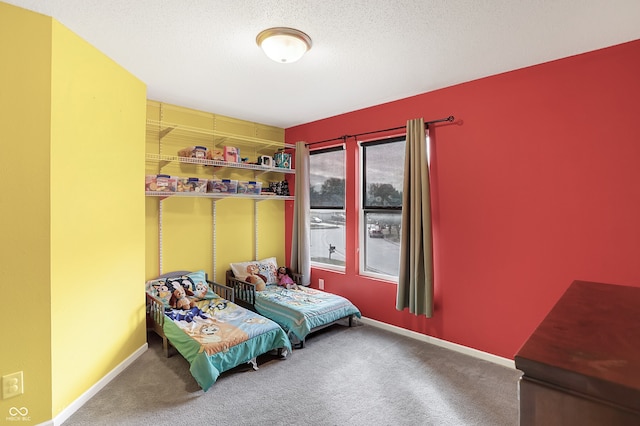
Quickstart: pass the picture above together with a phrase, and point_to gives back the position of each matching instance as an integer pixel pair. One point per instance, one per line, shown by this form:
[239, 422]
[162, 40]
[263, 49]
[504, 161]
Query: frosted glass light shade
[284, 45]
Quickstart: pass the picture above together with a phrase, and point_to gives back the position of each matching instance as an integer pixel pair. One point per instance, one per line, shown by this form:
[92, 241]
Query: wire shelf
[216, 163]
[217, 195]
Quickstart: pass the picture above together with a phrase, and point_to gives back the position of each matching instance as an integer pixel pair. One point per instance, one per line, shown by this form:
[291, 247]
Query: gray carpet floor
[359, 375]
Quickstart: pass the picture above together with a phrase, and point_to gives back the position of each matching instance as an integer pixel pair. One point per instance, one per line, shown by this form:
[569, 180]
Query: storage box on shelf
[194, 152]
[231, 154]
[249, 187]
[215, 154]
[191, 184]
[160, 183]
[222, 186]
[282, 160]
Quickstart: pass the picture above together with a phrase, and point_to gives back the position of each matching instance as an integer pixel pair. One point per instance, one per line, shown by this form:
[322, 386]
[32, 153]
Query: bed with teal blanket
[299, 312]
[212, 333]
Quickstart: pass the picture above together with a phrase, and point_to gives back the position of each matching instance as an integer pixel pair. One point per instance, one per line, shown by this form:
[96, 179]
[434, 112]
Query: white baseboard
[442, 343]
[93, 390]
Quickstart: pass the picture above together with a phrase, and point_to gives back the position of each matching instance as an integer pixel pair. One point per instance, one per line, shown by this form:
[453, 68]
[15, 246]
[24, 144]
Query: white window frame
[363, 226]
[330, 266]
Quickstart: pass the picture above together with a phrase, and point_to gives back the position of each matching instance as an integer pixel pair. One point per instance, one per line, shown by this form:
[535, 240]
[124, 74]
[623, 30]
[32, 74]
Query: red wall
[535, 185]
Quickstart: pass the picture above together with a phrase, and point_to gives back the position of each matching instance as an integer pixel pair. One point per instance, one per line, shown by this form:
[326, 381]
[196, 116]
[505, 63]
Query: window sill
[380, 277]
[328, 267]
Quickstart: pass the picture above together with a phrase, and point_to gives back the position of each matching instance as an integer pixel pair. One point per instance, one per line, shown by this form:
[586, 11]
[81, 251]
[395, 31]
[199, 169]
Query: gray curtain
[415, 279]
[300, 240]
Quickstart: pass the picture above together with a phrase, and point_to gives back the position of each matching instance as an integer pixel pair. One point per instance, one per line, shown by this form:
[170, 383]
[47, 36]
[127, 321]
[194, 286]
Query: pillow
[201, 287]
[267, 269]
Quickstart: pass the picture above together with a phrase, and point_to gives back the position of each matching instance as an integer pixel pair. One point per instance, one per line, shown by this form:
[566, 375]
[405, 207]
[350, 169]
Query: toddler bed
[299, 312]
[209, 330]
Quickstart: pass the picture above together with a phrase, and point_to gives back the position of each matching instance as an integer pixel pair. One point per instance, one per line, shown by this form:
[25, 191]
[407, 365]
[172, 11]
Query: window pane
[328, 236]
[384, 164]
[326, 178]
[382, 182]
[382, 243]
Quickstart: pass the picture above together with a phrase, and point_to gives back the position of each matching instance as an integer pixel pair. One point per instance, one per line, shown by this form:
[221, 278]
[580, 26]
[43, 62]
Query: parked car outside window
[375, 232]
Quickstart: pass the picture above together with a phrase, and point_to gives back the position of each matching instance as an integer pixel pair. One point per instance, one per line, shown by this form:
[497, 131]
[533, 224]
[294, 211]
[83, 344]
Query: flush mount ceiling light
[283, 44]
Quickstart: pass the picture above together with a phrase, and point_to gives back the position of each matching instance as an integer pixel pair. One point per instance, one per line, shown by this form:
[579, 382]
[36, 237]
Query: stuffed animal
[179, 299]
[200, 290]
[163, 290]
[285, 278]
[255, 278]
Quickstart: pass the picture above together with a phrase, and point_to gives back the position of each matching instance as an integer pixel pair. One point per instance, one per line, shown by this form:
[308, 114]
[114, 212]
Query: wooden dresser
[582, 364]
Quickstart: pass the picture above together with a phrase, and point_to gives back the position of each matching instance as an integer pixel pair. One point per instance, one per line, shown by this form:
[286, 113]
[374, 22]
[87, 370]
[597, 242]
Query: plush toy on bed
[163, 290]
[285, 279]
[179, 299]
[259, 280]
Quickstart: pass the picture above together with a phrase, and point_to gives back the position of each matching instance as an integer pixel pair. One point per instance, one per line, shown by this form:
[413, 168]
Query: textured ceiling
[202, 53]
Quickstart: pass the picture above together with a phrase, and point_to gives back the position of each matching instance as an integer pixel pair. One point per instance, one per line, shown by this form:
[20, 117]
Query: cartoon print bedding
[215, 335]
[299, 311]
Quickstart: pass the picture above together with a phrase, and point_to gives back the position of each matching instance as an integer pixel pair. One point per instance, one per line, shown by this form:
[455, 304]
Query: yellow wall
[188, 223]
[25, 109]
[73, 226]
[72, 221]
[97, 216]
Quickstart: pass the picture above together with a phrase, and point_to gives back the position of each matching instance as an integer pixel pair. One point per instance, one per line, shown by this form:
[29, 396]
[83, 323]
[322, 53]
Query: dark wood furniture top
[589, 344]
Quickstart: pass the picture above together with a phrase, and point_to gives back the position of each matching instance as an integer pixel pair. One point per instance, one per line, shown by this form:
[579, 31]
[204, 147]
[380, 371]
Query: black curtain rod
[345, 137]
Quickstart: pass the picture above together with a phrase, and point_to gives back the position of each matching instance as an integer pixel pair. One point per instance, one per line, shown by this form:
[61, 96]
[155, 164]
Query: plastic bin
[249, 187]
[191, 185]
[194, 152]
[160, 183]
[222, 186]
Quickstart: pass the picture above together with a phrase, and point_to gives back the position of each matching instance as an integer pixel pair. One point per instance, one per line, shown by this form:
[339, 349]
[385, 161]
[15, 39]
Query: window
[327, 202]
[382, 180]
